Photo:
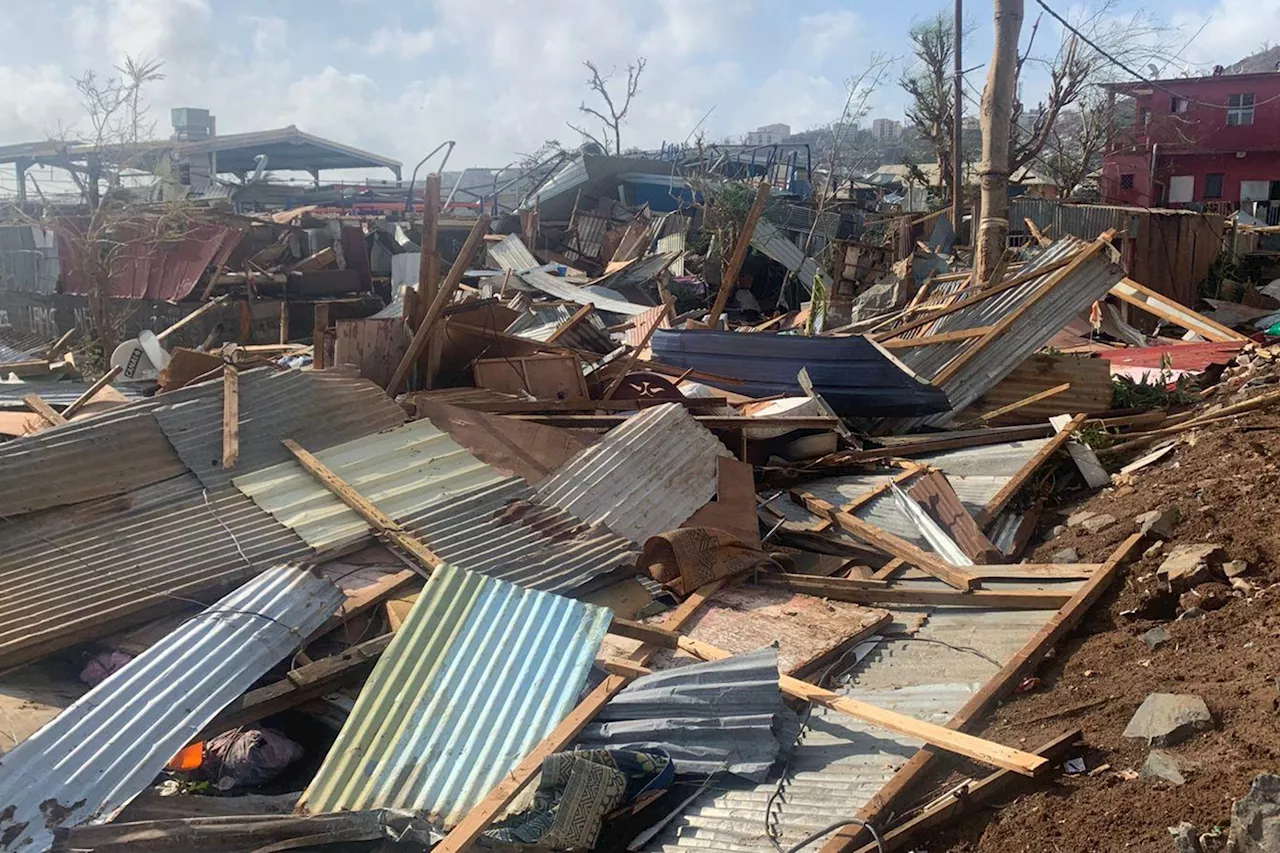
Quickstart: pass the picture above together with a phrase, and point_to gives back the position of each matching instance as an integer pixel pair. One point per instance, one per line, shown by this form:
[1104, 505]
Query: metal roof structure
[401, 471]
[287, 149]
[854, 374]
[714, 717]
[61, 393]
[96, 756]
[317, 409]
[769, 240]
[839, 763]
[510, 253]
[479, 673]
[646, 476]
[540, 322]
[76, 573]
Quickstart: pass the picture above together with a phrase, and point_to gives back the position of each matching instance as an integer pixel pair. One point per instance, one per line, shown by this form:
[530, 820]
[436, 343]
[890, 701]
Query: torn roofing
[317, 409]
[510, 253]
[401, 471]
[714, 717]
[151, 266]
[853, 374]
[644, 477]
[479, 673]
[73, 574]
[101, 752]
[540, 322]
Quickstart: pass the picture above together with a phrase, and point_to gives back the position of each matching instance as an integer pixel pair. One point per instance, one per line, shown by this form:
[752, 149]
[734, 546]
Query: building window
[1144, 117]
[1177, 105]
[1213, 185]
[1240, 109]
[1126, 181]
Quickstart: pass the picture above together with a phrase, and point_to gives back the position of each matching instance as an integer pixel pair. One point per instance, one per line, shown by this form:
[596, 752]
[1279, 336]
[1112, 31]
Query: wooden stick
[888, 542]
[1004, 681]
[319, 337]
[1018, 404]
[1200, 420]
[230, 416]
[103, 381]
[59, 346]
[447, 289]
[635, 354]
[932, 340]
[383, 524]
[1016, 482]
[731, 270]
[844, 589]
[364, 600]
[578, 316]
[284, 321]
[37, 404]
[1167, 309]
[192, 317]
[910, 469]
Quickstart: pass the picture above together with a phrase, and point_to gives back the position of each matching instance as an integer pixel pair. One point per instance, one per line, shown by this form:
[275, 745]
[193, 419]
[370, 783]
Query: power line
[1133, 73]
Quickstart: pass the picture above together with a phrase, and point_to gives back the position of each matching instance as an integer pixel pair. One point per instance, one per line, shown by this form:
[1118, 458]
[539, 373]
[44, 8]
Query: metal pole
[957, 129]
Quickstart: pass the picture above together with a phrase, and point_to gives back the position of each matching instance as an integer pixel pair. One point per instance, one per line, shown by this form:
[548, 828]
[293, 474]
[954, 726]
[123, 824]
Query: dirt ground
[1226, 486]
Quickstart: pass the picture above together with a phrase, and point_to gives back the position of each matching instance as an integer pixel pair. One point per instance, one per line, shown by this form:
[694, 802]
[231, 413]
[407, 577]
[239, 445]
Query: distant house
[769, 134]
[1204, 143]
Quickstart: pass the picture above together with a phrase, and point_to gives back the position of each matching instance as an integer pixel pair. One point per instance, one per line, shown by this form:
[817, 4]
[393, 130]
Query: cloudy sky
[500, 76]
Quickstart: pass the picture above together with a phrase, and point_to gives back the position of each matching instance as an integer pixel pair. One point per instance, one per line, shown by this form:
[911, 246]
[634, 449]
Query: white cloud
[400, 43]
[1235, 29]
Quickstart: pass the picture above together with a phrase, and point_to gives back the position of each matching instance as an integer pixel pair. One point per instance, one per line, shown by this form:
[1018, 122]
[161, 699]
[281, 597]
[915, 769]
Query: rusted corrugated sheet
[476, 677]
[73, 574]
[642, 323]
[154, 264]
[644, 477]
[88, 763]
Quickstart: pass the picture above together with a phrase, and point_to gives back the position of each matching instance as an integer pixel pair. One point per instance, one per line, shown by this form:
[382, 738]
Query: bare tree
[1074, 148]
[610, 139]
[932, 110]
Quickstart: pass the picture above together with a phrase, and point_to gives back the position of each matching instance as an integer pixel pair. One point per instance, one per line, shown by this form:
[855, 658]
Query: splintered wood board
[741, 618]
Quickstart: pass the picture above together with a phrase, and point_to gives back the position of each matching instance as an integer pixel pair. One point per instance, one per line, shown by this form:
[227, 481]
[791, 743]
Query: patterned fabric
[687, 558]
[578, 790]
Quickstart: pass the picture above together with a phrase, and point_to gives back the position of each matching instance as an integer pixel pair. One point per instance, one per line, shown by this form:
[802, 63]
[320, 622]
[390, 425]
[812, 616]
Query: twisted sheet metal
[318, 409]
[540, 322]
[401, 471]
[644, 477]
[96, 756]
[480, 672]
[73, 574]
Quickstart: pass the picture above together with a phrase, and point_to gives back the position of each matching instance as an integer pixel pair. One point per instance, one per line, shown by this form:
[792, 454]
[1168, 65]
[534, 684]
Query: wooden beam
[37, 404]
[943, 338]
[635, 353]
[1016, 482]
[385, 526]
[1003, 682]
[845, 589]
[910, 469]
[578, 316]
[364, 600]
[192, 317]
[497, 800]
[887, 542]
[731, 270]
[972, 795]
[284, 321]
[58, 347]
[447, 289]
[1165, 308]
[1018, 404]
[320, 337]
[230, 416]
[103, 381]
[975, 438]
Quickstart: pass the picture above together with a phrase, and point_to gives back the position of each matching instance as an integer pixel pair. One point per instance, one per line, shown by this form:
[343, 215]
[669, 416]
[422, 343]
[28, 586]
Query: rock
[1255, 818]
[1165, 719]
[1184, 838]
[1078, 518]
[1159, 522]
[1206, 596]
[1235, 568]
[1066, 555]
[1188, 565]
[1154, 551]
[1155, 638]
[1058, 530]
[1191, 613]
[1163, 766]
[1098, 523]
[1243, 586]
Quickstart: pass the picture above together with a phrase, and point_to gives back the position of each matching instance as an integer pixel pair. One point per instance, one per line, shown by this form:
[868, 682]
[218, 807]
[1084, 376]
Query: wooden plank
[37, 404]
[364, 600]
[634, 356]
[1016, 482]
[709, 421]
[939, 500]
[932, 340]
[975, 438]
[192, 317]
[1090, 391]
[385, 526]
[578, 316]
[545, 375]
[59, 346]
[230, 416]
[447, 289]
[373, 346]
[1003, 682]
[284, 321]
[1165, 308]
[974, 794]
[887, 542]
[1018, 404]
[320, 337]
[910, 470]
[730, 279]
[858, 592]
[1082, 454]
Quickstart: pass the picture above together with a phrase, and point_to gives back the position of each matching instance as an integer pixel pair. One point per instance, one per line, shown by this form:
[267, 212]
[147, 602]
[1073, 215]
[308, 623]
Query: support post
[230, 416]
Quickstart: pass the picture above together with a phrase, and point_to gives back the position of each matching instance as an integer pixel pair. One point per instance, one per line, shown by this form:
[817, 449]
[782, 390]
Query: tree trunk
[997, 113]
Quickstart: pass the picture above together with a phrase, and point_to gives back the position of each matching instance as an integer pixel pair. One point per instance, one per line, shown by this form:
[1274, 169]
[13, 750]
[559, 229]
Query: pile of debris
[529, 559]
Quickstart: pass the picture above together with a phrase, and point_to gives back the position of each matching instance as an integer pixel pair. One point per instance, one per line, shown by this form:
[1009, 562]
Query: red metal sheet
[1189, 356]
[152, 267]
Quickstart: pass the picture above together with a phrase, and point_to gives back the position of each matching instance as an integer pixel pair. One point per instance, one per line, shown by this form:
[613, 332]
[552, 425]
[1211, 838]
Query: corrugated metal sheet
[644, 477]
[1029, 332]
[714, 717]
[510, 253]
[541, 321]
[587, 234]
[87, 764]
[499, 531]
[20, 346]
[28, 259]
[839, 764]
[1085, 221]
[155, 266]
[59, 394]
[401, 471]
[318, 409]
[770, 241]
[639, 273]
[480, 672]
[77, 573]
[853, 374]
[673, 243]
